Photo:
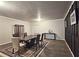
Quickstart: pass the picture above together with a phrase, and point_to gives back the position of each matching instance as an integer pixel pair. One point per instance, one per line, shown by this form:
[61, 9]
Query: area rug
[24, 52]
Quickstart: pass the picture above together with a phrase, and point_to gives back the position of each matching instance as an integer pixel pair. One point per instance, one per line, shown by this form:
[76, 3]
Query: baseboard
[69, 48]
[5, 43]
[60, 39]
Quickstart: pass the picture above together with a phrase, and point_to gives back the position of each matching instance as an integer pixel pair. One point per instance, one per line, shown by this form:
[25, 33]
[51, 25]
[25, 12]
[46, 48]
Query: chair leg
[13, 51]
[18, 53]
[36, 46]
[41, 43]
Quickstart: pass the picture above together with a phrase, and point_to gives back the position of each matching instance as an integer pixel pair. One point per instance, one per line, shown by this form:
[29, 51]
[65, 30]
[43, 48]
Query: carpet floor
[56, 48]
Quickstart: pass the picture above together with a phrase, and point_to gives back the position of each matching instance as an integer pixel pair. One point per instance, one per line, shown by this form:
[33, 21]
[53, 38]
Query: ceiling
[28, 10]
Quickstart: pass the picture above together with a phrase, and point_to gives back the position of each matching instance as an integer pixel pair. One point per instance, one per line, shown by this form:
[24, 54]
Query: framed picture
[73, 18]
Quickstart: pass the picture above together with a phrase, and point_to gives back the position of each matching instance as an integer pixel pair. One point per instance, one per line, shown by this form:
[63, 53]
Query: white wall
[57, 26]
[6, 25]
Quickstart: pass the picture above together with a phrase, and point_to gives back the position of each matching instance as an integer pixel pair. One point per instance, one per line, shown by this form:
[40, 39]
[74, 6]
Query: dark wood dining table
[29, 38]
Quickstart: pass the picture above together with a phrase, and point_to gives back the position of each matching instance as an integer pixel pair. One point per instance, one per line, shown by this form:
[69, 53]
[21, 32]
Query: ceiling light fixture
[38, 16]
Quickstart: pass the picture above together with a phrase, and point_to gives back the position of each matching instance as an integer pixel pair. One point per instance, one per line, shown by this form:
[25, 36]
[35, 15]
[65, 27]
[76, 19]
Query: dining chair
[16, 45]
[25, 34]
[31, 43]
[22, 36]
[41, 39]
[37, 41]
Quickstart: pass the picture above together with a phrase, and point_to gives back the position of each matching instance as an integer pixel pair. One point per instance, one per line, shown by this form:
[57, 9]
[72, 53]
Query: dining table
[29, 38]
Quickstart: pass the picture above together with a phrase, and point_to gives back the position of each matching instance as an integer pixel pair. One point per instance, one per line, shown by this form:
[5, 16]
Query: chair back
[38, 38]
[25, 34]
[15, 44]
[42, 37]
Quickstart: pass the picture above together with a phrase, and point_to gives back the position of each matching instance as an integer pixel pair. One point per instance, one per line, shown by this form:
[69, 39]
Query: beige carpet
[56, 48]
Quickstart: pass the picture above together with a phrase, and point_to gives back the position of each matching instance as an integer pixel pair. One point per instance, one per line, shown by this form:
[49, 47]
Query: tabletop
[29, 37]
